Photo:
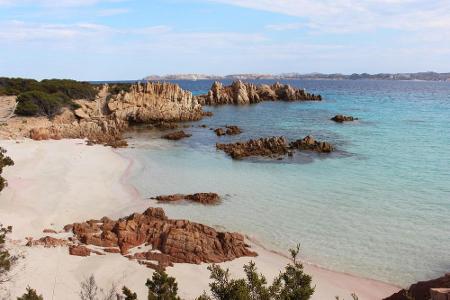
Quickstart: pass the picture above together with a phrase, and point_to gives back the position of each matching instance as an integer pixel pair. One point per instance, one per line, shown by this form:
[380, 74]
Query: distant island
[422, 76]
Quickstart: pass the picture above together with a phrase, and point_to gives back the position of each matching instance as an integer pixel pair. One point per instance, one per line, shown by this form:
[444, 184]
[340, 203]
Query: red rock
[79, 251]
[49, 231]
[421, 289]
[177, 135]
[268, 147]
[309, 143]
[47, 242]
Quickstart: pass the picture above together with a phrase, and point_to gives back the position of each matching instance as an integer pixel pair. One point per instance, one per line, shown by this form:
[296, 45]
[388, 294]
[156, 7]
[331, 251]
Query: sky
[130, 39]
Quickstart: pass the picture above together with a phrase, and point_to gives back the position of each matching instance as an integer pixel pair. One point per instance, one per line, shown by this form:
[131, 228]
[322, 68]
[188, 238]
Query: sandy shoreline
[54, 183]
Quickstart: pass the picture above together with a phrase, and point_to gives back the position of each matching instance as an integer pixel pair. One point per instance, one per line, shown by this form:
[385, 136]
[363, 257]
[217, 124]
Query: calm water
[379, 207]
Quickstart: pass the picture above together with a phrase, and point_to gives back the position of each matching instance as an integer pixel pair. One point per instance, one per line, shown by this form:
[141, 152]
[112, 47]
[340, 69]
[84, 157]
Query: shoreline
[121, 201]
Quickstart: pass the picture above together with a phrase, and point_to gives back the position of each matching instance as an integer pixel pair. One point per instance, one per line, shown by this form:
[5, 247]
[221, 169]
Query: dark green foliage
[129, 295]
[4, 162]
[30, 295]
[116, 88]
[162, 287]
[223, 287]
[5, 258]
[70, 88]
[37, 103]
[293, 283]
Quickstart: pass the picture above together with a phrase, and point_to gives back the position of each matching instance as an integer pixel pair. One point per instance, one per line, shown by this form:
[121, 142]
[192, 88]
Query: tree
[162, 287]
[6, 259]
[5, 161]
[257, 283]
[224, 288]
[293, 283]
[129, 295]
[89, 289]
[30, 295]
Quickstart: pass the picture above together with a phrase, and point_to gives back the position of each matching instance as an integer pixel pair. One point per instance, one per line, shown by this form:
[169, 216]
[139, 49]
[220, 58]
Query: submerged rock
[342, 118]
[247, 93]
[203, 198]
[177, 135]
[220, 131]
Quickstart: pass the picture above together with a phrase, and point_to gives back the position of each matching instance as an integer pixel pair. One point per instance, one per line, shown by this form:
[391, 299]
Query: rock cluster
[176, 241]
[177, 135]
[203, 198]
[342, 118]
[47, 242]
[309, 143]
[421, 289]
[268, 147]
[273, 147]
[229, 130]
[247, 93]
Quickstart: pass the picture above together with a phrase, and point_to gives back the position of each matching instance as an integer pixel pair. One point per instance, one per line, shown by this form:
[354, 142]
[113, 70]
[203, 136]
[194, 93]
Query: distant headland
[422, 76]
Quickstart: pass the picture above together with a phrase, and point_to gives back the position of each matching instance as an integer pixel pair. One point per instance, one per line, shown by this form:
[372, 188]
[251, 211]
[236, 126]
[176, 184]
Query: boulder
[342, 118]
[79, 251]
[220, 131]
[47, 242]
[233, 130]
[421, 289]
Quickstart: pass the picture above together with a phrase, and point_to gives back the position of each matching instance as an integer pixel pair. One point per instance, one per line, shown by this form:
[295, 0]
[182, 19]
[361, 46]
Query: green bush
[37, 103]
[5, 161]
[30, 295]
[162, 287]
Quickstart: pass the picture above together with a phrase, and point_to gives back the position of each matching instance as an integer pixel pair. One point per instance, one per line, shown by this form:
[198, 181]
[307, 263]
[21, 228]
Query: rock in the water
[203, 198]
[178, 241]
[233, 130]
[246, 93]
[342, 118]
[421, 289]
[220, 131]
[177, 135]
[309, 143]
[266, 147]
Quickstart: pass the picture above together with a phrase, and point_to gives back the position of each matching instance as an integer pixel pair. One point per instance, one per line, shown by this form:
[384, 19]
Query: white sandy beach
[54, 183]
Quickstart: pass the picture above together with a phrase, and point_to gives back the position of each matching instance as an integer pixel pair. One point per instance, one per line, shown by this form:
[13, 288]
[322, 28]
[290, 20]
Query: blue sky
[129, 39]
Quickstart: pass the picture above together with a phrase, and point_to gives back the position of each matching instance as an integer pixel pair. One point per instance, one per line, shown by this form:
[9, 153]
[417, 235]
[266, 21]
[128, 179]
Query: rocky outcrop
[203, 198]
[309, 143]
[47, 242]
[247, 93]
[177, 135]
[172, 241]
[152, 102]
[77, 250]
[273, 147]
[266, 147]
[228, 130]
[421, 289]
[342, 118]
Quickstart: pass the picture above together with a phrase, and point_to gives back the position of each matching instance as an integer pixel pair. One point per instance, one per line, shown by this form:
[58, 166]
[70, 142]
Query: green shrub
[162, 287]
[5, 161]
[129, 295]
[37, 103]
[30, 295]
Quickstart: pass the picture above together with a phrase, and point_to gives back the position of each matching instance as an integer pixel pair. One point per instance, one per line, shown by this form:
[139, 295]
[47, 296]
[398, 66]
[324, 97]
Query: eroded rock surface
[342, 118]
[177, 241]
[309, 143]
[203, 198]
[247, 93]
[273, 147]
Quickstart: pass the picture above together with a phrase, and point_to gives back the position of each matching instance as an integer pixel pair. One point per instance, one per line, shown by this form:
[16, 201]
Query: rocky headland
[203, 198]
[273, 147]
[240, 93]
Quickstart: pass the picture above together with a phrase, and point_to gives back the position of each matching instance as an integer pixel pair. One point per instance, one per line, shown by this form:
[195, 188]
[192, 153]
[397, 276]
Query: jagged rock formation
[150, 102]
[229, 130]
[421, 289]
[309, 143]
[267, 147]
[104, 119]
[178, 241]
[177, 135]
[342, 118]
[203, 198]
[273, 147]
[247, 93]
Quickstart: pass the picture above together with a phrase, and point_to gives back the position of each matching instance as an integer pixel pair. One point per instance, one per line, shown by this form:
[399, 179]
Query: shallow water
[378, 208]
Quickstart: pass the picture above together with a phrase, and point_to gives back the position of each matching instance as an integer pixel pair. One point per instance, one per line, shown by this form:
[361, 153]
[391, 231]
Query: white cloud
[285, 26]
[113, 12]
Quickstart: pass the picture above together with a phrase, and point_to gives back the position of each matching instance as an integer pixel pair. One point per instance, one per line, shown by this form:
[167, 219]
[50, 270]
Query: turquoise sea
[378, 208]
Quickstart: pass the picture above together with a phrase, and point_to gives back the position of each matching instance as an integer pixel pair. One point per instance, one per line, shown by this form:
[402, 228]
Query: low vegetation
[46, 97]
[5, 161]
[31, 294]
